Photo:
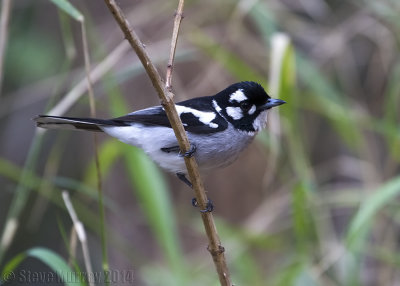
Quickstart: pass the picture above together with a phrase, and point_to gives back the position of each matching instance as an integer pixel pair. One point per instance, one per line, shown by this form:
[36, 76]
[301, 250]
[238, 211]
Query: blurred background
[313, 201]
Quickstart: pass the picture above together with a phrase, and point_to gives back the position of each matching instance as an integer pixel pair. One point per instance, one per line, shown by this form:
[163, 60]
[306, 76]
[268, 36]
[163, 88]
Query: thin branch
[174, 41]
[96, 74]
[81, 233]
[166, 96]
[96, 151]
[4, 18]
[88, 69]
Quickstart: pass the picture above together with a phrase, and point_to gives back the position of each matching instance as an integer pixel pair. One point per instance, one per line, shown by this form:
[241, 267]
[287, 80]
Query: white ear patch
[237, 96]
[234, 112]
[252, 109]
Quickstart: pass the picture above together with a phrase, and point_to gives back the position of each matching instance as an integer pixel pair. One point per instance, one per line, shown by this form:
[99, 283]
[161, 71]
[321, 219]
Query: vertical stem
[5, 16]
[166, 96]
[174, 41]
[96, 154]
[81, 234]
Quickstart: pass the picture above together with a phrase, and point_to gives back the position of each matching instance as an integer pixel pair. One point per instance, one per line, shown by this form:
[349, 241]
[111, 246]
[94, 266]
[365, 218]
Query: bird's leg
[171, 149]
[190, 152]
[182, 177]
[174, 149]
[209, 206]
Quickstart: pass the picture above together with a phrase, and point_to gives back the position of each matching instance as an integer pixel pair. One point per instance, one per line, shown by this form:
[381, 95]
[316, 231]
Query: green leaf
[301, 217]
[109, 152]
[231, 62]
[68, 8]
[48, 257]
[56, 263]
[363, 219]
[328, 102]
[12, 265]
[153, 195]
[22, 191]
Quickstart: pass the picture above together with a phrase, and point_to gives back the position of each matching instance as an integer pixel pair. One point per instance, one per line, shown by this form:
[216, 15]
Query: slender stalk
[81, 234]
[166, 97]
[96, 152]
[4, 19]
[95, 75]
[21, 196]
[174, 41]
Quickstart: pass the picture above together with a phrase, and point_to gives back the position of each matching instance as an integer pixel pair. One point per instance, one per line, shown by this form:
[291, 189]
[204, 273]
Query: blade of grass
[32, 182]
[302, 219]
[391, 114]
[363, 219]
[48, 257]
[67, 36]
[81, 234]
[109, 152]
[8, 269]
[74, 13]
[56, 263]
[328, 102]
[89, 217]
[324, 99]
[152, 192]
[21, 196]
[283, 85]
[12, 172]
[231, 62]
[68, 8]
[4, 19]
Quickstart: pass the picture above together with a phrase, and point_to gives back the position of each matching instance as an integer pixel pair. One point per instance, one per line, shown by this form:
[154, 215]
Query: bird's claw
[190, 152]
[209, 205]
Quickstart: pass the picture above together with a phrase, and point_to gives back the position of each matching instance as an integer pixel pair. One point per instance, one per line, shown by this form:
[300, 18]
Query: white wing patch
[237, 96]
[203, 116]
[234, 112]
[216, 106]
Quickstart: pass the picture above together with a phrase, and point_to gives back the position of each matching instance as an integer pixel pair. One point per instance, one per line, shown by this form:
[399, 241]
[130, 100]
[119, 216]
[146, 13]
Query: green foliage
[68, 8]
[50, 259]
[328, 201]
[368, 209]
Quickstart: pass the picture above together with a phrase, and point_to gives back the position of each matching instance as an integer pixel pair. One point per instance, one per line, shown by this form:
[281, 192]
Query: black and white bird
[219, 127]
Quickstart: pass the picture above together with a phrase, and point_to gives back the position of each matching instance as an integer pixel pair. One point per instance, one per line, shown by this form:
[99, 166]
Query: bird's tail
[71, 123]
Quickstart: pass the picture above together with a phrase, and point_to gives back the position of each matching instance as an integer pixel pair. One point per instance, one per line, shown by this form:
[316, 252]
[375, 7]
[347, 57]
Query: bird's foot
[209, 205]
[190, 152]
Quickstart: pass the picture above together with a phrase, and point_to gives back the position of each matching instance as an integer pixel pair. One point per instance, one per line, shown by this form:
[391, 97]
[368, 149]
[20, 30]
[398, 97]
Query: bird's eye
[245, 106]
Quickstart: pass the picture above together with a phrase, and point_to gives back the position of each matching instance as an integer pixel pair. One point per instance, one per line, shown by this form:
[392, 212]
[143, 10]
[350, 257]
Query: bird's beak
[272, 102]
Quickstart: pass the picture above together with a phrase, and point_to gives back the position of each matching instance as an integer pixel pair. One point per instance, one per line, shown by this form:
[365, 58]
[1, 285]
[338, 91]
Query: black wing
[156, 116]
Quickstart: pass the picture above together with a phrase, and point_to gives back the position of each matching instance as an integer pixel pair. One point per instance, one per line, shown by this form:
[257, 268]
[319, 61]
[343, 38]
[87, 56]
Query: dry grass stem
[5, 16]
[96, 150]
[98, 72]
[81, 233]
[174, 41]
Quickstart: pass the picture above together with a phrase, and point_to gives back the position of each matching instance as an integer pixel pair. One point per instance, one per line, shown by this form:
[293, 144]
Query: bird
[219, 128]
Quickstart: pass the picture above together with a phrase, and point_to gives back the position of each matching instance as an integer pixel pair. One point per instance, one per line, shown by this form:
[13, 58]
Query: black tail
[89, 124]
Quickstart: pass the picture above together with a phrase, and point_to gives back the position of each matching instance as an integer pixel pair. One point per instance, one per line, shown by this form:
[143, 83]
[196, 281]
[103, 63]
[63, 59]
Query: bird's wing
[194, 121]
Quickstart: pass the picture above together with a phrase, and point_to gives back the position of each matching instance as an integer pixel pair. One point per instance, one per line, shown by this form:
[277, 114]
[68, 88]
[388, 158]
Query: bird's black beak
[272, 102]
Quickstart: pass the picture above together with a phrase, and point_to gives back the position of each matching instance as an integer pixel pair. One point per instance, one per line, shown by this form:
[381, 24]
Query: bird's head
[245, 105]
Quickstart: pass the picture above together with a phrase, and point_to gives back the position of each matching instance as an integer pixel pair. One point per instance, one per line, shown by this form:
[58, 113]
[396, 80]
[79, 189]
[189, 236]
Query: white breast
[214, 150]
